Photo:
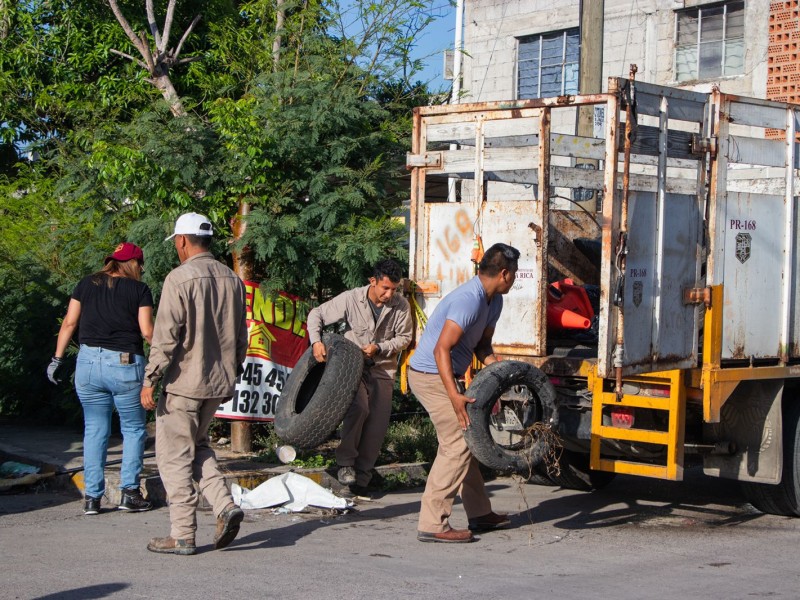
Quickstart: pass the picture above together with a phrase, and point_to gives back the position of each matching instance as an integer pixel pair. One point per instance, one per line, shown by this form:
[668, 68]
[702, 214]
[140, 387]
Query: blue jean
[103, 383]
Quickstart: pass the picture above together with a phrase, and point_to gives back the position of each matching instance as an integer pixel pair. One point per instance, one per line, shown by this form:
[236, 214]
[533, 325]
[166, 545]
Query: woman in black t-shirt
[115, 311]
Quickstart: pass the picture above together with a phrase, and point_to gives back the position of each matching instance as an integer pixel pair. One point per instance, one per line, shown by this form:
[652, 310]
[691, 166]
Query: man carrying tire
[378, 320]
[462, 324]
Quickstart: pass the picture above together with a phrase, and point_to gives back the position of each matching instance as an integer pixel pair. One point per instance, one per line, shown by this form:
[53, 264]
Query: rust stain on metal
[428, 287]
[697, 296]
[537, 232]
[739, 352]
[565, 100]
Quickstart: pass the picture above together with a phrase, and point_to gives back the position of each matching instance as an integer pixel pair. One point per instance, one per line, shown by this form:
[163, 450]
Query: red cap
[126, 251]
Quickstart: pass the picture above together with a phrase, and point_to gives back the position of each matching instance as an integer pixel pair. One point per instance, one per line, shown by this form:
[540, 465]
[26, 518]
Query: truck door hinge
[429, 159]
[697, 296]
[701, 145]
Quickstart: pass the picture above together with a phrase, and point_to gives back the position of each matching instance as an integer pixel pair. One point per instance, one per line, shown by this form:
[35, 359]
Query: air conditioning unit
[448, 66]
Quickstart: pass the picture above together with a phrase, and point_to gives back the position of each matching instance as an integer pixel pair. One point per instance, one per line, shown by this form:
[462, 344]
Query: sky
[437, 37]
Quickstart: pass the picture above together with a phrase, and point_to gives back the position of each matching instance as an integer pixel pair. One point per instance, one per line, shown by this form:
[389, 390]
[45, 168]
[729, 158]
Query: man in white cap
[199, 341]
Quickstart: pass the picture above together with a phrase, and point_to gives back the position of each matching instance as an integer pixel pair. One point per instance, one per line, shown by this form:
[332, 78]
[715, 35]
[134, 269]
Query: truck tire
[574, 473]
[784, 498]
[489, 385]
[317, 395]
[539, 476]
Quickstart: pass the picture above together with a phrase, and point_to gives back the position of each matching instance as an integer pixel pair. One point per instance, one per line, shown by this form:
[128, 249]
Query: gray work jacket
[200, 334]
[392, 332]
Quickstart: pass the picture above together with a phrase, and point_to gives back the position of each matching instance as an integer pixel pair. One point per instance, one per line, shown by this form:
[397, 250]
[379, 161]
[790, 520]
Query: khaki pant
[454, 470]
[184, 457]
[365, 426]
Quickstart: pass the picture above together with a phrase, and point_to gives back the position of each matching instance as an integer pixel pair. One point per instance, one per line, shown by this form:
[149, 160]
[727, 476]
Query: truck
[676, 218]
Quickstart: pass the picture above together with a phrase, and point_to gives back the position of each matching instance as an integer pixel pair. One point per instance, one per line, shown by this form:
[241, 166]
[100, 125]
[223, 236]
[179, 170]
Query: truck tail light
[622, 417]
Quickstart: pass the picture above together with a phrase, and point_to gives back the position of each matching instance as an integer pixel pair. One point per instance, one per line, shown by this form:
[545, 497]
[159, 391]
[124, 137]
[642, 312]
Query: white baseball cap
[192, 224]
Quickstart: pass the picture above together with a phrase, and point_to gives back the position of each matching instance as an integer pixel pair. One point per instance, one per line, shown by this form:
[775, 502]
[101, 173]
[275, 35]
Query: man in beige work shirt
[378, 320]
[199, 342]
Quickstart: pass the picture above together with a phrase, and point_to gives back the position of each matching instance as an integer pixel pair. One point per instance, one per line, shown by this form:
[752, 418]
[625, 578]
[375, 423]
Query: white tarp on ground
[290, 490]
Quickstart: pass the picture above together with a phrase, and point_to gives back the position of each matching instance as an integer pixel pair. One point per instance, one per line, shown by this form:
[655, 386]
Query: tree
[298, 113]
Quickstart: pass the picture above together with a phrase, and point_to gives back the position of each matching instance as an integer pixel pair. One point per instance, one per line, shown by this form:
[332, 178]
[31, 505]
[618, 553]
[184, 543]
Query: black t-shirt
[110, 315]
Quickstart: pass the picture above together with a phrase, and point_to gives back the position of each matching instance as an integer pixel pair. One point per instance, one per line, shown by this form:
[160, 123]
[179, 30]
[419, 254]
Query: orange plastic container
[568, 306]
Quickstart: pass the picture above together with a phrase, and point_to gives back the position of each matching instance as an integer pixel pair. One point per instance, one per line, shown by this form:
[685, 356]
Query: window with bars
[547, 64]
[709, 41]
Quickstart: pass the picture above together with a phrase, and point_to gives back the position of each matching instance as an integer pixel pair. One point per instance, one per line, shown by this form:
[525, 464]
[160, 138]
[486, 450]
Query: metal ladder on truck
[620, 423]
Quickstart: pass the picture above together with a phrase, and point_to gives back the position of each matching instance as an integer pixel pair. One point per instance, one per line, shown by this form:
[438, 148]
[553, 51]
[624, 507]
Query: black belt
[420, 372]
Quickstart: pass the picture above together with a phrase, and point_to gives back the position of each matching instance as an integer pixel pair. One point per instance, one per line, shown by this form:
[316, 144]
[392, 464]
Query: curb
[396, 476]
[236, 470]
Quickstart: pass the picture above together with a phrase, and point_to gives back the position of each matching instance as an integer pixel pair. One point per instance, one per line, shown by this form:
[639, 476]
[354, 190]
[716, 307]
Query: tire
[784, 498]
[528, 394]
[574, 473]
[539, 477]
[317, 395]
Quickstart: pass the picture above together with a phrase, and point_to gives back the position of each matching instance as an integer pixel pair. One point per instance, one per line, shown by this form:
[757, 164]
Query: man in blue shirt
[462, 324]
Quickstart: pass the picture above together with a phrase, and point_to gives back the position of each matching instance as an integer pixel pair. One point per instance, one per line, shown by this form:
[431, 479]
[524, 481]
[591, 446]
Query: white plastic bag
[291, 490]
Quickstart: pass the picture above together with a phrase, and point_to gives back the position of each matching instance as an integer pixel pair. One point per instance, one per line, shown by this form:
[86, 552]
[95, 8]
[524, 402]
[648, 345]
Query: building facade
[515, 49]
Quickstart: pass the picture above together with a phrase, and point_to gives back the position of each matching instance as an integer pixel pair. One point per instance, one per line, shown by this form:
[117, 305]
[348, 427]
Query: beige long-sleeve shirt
[200, 334]
[391, 333]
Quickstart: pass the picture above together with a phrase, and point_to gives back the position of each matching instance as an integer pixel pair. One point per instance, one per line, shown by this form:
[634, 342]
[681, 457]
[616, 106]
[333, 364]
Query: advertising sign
[277, 338]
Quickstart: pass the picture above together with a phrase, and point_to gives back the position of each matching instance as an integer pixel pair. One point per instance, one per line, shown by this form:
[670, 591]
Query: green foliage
[399, 481]
[313, 139]
[411, 440]
[30, 312]
[313, 461]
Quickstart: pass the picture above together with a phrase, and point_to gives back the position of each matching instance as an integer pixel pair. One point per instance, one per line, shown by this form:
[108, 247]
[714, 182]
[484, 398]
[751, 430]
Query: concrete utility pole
[455, 96]
[590, 77]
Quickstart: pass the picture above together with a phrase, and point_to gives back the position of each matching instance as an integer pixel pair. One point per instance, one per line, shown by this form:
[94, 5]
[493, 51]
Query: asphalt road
[635, 539]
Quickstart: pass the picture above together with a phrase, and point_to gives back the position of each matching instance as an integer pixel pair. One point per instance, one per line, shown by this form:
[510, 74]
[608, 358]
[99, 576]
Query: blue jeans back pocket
[126, 377]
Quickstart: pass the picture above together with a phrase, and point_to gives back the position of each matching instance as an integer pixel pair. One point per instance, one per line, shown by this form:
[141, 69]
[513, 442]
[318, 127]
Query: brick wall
[783, 55]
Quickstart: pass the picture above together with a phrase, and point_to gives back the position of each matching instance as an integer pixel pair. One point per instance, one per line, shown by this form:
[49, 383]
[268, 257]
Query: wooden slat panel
[755, 114]
[756, 151]
[679, 143]
[568, 177]
[682, 110]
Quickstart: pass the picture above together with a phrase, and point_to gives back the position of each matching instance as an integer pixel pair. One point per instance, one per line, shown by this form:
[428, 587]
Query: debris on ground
[13, 474]
[11, 469]
[291, 492]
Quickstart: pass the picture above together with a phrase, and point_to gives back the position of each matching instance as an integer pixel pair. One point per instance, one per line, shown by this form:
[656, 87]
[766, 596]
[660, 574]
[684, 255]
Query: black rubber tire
[574, 473]
[489, 384]
[317, 395]
[539, 477]
[784, 498]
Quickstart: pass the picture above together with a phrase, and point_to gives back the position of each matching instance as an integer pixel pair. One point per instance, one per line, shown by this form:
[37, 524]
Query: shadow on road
[697, 501]
[288, 535]
[27, 501]
[87, 592]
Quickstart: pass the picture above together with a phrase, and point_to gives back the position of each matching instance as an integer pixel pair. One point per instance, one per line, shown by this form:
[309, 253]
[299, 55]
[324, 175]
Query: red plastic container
[568, 306]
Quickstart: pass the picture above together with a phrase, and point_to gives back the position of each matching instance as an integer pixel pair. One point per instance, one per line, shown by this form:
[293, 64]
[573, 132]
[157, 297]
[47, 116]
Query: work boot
[91, 506]
[451, 536]
[169, 545]
[488, 522]
[132, 501]
[346, 475]
[228, 525]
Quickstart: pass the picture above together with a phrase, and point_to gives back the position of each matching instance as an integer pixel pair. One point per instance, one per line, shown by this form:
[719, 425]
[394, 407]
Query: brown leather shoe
[228, 523]
[168, 545]
[489, 522]
[451, 536]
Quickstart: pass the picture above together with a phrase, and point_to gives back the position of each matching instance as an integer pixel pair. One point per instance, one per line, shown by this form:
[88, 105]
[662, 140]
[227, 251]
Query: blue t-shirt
[466, 306]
